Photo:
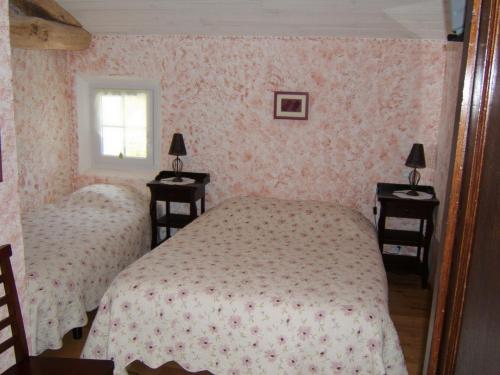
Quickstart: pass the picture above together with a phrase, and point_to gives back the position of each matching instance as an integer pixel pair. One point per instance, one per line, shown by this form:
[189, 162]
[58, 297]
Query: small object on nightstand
[415, 160]
[420, 195]
[403, 206]
[172, 181]
[175, 192]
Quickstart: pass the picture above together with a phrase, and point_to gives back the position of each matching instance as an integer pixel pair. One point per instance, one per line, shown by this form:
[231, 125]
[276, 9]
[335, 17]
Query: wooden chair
[25, 364]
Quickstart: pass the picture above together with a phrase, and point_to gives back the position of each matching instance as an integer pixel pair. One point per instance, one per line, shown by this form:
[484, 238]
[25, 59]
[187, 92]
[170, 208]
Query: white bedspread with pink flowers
[73, 250]
[256, 286]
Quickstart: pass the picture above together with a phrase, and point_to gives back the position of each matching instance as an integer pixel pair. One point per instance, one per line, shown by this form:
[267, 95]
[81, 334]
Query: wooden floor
[409, 306]
[71, 348]
[408, 303]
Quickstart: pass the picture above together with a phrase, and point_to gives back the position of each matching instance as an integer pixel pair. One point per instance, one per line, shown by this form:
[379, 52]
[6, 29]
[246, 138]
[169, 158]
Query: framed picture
[291, 105]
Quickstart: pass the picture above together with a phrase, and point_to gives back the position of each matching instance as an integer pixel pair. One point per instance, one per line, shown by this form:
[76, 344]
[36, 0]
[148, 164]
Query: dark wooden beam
[48, 9]
[37, 33]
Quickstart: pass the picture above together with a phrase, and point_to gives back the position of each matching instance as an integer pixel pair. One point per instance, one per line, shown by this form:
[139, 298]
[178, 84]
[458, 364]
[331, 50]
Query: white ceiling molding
[358, 18]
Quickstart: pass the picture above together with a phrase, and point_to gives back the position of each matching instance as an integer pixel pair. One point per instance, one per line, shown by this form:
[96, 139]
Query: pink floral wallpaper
[10, 227]
[446, 130]
[370, 99]
[42, 113]
[445, 137]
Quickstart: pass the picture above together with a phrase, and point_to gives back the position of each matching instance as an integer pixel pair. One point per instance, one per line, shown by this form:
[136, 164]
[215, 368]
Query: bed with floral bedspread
[73, 250]
[256, 286]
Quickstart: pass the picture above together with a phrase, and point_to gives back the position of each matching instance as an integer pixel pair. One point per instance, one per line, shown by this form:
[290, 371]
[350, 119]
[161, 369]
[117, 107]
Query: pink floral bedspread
[256, 286]
[73, 249]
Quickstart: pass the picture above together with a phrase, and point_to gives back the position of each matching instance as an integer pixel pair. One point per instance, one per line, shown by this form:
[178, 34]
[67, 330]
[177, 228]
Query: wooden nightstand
[162, 192]
[423, 210]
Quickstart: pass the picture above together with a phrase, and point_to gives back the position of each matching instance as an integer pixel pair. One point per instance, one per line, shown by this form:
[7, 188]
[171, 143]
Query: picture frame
[291, 105]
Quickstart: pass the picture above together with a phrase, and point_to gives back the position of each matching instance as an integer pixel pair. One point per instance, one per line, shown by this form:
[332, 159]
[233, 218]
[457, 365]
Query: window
[118, 123]
[123, 123]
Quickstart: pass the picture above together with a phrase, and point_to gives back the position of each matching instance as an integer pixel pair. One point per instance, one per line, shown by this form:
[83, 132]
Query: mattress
[73, 250]
[255, 286]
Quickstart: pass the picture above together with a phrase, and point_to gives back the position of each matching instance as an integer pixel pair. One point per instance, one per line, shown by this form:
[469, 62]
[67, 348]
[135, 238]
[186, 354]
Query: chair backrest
[14, 318]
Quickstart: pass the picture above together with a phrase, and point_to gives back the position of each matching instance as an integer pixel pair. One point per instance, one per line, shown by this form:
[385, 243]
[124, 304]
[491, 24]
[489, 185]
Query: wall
[10, 227]
[446, 129]
[445, 139]
[370, 99]
[42, 113]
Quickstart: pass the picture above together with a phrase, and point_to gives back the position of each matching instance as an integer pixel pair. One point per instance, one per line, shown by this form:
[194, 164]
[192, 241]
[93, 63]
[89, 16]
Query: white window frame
[89, 150]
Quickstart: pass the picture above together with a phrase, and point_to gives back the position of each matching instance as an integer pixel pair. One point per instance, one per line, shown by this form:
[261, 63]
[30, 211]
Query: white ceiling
[362, 18]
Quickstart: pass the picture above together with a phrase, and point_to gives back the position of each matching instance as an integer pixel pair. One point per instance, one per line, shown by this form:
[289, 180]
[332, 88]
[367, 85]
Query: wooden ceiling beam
[47, 8]
[37, 33]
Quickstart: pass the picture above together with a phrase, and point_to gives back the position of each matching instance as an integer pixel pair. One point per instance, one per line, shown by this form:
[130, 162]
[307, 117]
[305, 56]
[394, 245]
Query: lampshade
[177, 146]
[416, 159]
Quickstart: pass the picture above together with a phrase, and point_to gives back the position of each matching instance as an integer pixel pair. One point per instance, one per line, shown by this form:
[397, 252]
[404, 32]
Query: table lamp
[177, 148]
[415, 160]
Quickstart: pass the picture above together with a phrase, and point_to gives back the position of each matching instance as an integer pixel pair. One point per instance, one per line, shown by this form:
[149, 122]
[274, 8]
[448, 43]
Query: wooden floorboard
[409, 306]
[71, 348]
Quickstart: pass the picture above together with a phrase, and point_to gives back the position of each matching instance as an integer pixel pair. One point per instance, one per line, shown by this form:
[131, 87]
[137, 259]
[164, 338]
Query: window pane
[136, 143]
[136, 110]
[112, 141]
[124, 122]
[111, 110]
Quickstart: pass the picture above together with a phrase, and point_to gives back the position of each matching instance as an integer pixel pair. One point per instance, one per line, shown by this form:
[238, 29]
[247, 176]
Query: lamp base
[413, 179]
[177, 167]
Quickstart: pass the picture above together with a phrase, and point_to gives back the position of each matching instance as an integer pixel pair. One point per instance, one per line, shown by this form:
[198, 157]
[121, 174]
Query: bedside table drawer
[408, 210]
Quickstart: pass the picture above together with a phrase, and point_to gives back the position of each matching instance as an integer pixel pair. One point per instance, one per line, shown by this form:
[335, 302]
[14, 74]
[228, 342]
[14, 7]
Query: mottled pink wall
[42, 104]
[10, 226]
[447, 124]
[370, 99]
[445, 142]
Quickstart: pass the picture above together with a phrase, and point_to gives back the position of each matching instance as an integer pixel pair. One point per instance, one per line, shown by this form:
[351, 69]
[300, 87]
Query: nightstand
[162, 192]
[422, 210]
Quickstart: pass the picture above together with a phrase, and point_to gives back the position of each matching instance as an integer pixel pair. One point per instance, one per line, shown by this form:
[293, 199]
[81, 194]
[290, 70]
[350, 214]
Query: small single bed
[73, 250]
[256, 286]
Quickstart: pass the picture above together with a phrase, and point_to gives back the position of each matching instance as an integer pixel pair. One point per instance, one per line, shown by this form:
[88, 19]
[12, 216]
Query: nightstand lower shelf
[401, 263]
[174, 221]
[403, 238]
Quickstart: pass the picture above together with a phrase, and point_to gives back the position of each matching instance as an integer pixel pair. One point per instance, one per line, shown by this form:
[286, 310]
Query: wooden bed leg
[77, 333]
